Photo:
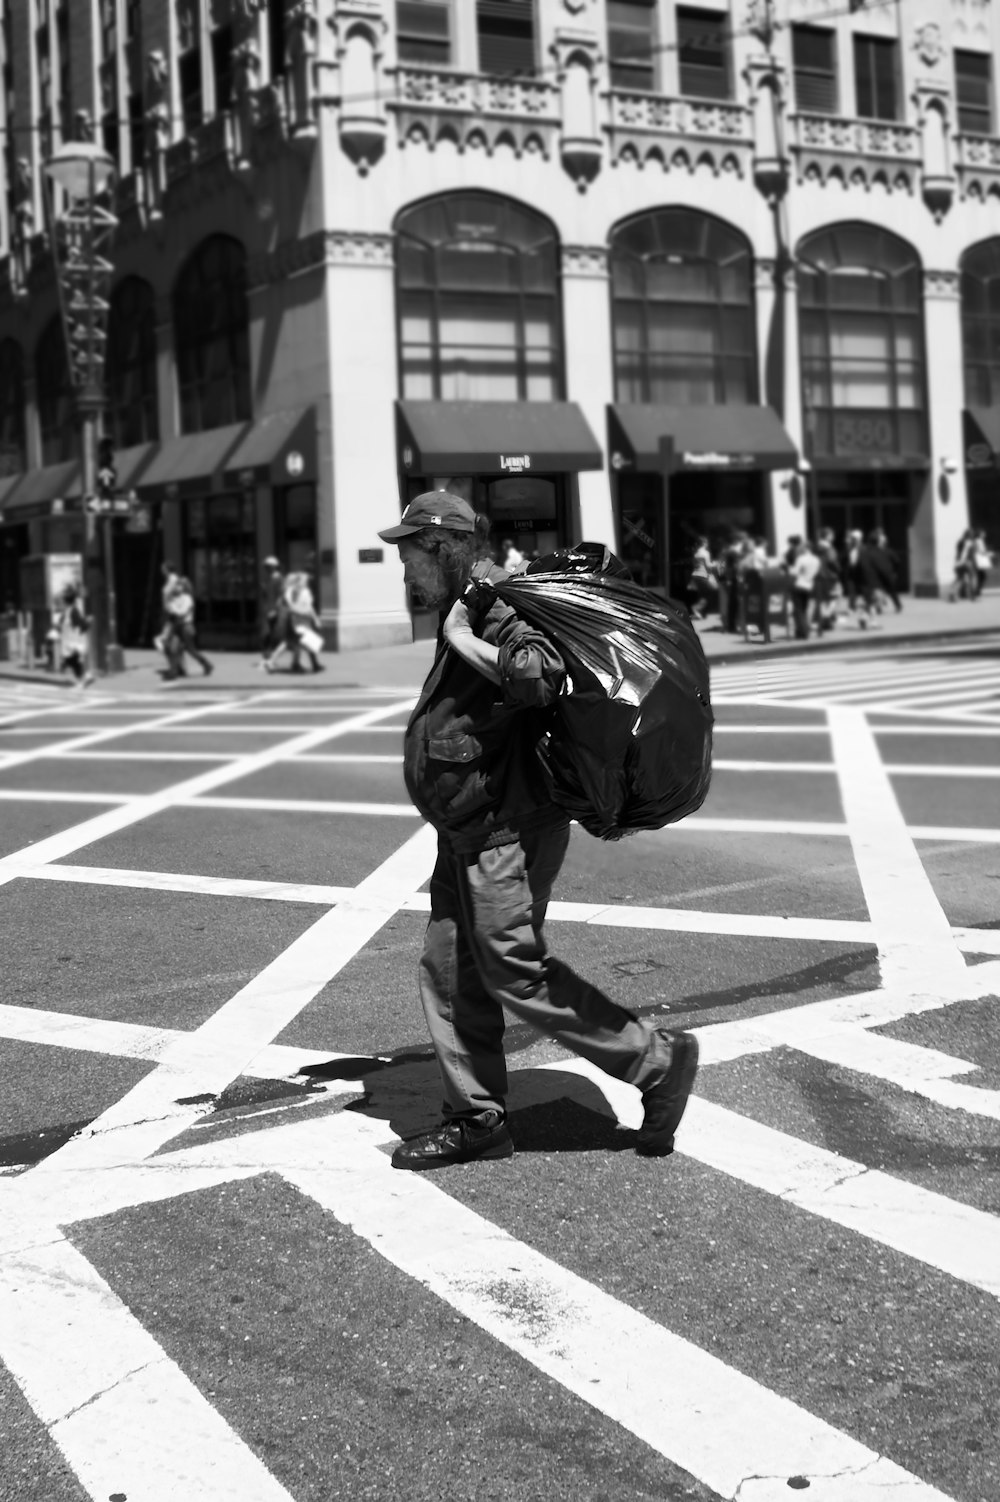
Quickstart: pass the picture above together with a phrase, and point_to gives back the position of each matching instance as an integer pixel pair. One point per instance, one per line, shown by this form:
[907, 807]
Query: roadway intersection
[213, 1286]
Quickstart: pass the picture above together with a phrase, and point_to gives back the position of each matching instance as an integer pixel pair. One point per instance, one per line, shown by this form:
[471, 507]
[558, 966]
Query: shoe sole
[660, 1146]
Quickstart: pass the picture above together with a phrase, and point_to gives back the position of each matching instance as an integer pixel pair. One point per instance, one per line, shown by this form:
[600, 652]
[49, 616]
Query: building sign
[515, 464]
[370, 555]
[979, 456]
[713, 460]
[863, 435]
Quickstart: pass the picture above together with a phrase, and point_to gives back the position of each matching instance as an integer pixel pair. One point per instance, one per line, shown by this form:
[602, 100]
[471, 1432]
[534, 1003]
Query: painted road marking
[678, 920]
[942, 1233]
[127, 1419]
[915, 944]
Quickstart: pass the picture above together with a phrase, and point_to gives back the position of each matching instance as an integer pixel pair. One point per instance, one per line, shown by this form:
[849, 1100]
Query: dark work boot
[460, 1140]
[664, 1102]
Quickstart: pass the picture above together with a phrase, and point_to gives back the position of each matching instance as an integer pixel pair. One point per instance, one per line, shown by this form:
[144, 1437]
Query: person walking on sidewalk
[804, 570]
[178, 624]
[470, 765]
[272, 632]
[71, 625]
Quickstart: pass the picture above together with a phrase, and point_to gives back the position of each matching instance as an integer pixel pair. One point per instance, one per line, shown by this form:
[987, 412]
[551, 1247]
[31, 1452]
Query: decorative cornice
[585, 260]
[943, 284]
[332, 247]
[358, 248]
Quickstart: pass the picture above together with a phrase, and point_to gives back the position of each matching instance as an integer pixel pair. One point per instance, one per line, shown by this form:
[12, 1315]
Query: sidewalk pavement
[405, 666]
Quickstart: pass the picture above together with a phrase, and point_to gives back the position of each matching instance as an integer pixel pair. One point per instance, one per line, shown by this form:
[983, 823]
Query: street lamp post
[80, 235]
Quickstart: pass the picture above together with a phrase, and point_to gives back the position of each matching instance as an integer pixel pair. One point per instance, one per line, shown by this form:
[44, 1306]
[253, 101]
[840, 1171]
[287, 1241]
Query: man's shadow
[550, 1110]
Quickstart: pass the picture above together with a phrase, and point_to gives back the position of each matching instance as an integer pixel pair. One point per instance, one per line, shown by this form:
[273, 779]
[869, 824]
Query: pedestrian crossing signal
[107, 474]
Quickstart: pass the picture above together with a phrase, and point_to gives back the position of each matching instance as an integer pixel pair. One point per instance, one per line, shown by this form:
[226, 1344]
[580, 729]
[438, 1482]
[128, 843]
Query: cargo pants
[484, 950]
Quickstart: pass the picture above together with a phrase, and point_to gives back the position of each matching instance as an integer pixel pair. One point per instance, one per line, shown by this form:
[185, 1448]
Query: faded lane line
[915, 943]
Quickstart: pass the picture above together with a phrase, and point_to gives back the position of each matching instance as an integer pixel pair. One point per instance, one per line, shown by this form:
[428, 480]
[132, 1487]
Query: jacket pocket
[457, 747]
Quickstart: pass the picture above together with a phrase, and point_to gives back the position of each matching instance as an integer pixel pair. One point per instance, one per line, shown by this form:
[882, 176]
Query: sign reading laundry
[516, 464]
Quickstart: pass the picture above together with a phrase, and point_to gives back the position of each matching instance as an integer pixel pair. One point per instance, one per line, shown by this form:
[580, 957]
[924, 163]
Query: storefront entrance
[527, 510]
[864, 500]
[661, 522]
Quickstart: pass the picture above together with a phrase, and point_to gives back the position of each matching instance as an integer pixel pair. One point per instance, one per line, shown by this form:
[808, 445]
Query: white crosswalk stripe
[942, 681]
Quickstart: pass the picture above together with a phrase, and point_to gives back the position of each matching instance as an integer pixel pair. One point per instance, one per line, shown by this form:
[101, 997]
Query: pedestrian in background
[804, 573]
[702, 585]
[981, 560]
[274, 611]
[827, 588]
[471, 767]
[302, 626]
[859, 577]
[885, 561]
[964, 580]
[178, 634]
[72, 626]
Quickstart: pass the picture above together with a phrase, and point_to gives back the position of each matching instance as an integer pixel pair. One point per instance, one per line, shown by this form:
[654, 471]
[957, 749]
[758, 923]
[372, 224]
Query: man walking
[272, 632]
[471, 769]
[178, 624]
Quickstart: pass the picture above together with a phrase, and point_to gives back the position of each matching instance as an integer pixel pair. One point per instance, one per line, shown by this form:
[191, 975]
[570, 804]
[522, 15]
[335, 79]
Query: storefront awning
[278, 448]
[33, 492]
[193, 457]
[981, 437]
[698, 438]
[494, 438]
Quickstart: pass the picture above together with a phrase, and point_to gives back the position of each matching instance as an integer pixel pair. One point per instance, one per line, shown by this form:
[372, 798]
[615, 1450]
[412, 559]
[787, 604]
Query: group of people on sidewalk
[824, 581]
[289, 621]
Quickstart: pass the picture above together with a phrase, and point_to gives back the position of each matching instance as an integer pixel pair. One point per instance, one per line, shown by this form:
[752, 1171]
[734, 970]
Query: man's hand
[459, 635]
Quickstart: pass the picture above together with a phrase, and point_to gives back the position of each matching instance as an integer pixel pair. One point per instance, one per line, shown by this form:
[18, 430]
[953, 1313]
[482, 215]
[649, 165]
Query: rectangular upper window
[423, 31]
[814, 60]
[974, 93]
[703, 53]
[632, 44]
[506, 30]
[876, 77]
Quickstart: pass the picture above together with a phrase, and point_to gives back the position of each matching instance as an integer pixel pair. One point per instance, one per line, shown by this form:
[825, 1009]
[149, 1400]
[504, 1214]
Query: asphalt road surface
[213, 1286]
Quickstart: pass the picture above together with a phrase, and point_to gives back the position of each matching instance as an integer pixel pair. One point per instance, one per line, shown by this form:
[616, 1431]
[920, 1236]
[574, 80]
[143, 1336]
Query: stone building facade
[633, 270]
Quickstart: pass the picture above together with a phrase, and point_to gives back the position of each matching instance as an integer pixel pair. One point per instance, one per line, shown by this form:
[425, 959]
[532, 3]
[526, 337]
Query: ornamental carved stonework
[584, 260]
[928, 43]
[946, 284]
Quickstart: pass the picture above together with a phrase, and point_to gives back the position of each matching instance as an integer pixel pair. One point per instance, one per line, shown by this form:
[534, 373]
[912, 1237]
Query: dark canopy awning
[277, 448]
[982, 437]
[494, 437]
[699, 438]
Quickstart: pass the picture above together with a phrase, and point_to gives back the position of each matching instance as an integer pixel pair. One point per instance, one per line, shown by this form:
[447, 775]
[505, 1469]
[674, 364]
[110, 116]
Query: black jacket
[469, 753]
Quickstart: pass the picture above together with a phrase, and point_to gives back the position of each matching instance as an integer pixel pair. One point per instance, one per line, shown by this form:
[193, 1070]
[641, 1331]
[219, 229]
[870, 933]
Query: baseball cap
[435, 508]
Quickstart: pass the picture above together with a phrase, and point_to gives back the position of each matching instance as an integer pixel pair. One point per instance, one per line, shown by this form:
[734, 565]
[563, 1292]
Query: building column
[589, 357]
[776, 301]
[370, 607]
[942, 510]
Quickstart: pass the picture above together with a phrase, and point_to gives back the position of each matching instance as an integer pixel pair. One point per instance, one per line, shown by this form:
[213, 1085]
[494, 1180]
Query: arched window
[12, 454]
[211, 329]
[981, 324]
[131, 364]
[682, 308]
[478, 301]
[862, 341]
[55, 396]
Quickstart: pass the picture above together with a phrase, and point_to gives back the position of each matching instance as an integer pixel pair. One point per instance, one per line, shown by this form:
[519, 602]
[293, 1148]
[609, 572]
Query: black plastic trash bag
[630, 745]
